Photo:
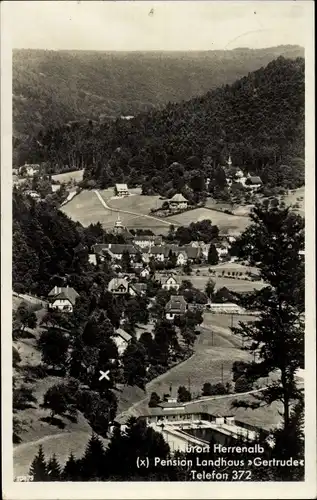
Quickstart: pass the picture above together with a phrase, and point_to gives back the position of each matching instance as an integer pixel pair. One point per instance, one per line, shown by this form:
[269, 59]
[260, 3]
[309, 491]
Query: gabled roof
[253, 179]
[176, 304]
[139, 287]
[123, 334]
[164, 277]
[179, 198]
[63, 293]
[115, 248]
[121, 187]
[115, 283]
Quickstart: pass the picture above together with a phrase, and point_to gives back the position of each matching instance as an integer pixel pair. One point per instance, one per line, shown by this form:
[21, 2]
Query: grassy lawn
[230, 283]
[230, 223]
[87, 209]
[76, 175]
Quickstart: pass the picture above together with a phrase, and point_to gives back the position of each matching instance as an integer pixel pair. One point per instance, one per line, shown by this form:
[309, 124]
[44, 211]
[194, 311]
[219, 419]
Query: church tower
[118, 227]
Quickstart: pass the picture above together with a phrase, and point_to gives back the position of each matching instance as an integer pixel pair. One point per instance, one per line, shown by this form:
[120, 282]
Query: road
[104, 204]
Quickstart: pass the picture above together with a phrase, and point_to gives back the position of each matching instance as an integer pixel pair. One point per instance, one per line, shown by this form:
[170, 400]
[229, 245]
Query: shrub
[243, 385]
[154, 400]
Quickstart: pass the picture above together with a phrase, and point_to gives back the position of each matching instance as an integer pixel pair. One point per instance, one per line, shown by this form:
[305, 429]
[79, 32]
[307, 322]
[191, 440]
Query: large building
[176, 306]
[194, 424]
[121, 190]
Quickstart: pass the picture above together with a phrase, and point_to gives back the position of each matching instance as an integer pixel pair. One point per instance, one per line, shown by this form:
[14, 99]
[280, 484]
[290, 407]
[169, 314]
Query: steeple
[118, 222]
[229, 162]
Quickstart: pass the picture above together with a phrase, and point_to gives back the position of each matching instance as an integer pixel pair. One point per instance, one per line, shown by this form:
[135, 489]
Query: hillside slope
[51, 87]
[259, 120]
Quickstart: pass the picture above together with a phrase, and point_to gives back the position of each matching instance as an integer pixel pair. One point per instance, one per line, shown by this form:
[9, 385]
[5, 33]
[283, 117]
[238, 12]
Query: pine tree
[93, 461]
[71, 469]
[212, 258]
[53, 469]
[38, 467]
[272, 243]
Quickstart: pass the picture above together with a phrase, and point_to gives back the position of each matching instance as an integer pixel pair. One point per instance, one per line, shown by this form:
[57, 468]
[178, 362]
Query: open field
[87, 209]
[135, 203]
[292, 198]
[76, 175]
[230, 223]
[231, 283]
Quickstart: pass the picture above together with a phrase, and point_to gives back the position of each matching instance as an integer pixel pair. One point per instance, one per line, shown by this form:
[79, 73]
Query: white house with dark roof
[178, 202]
[176, 306]
[253, 182]
[121, 190]
[168, 281]
[62, 298]
[121, 338]
[147, 241]
[118, 286]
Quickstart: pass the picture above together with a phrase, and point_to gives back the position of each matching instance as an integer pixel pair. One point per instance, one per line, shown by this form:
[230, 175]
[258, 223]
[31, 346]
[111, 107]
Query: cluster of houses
[236, 175]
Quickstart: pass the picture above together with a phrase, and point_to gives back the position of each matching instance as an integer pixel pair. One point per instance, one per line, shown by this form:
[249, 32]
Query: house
[62, 298]
[137, 289]
[121, 190]
[253, 182]
[145, 273]
[176, 306]
[147, 241]
[181, 258]
[29, 170]
[92, 259]
[118, 286]
[121, 338]
[32, 194]
[178, 202]
[120, 229]
[168, 281]
[115, 250]
[222, 250]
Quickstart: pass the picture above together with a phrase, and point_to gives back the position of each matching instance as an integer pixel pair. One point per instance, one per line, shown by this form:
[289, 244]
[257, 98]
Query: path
[104, 204]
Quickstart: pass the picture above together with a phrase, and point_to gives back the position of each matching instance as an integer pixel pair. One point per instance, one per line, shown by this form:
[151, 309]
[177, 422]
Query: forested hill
[259, 120]
[53, 87]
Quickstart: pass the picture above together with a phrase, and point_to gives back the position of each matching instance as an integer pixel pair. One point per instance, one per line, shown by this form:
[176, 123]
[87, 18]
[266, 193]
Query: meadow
[232, 224]
[75, 175]
[87, 209]
[236, 285]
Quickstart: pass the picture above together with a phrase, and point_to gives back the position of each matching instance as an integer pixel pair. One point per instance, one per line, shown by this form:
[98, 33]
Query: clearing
[86, 208]
[233, 224]
[75, 175]
[236, 285]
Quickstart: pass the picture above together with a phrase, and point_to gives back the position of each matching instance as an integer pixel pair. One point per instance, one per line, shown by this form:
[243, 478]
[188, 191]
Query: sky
[160, 25]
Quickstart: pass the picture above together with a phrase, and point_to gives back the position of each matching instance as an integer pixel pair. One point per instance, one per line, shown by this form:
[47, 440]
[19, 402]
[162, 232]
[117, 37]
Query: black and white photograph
[158, 249]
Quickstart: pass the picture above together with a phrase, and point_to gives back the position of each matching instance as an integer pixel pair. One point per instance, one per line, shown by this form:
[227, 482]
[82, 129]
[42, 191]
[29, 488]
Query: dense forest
[259, 120]
[52, 87]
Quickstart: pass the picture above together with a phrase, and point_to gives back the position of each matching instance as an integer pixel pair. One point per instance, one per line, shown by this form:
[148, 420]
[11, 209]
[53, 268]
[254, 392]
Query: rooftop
[178, 198]
[63, 293]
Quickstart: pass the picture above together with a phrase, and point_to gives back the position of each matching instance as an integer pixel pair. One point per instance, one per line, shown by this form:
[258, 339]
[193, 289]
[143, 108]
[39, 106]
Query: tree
[23, 397]
[54, 344]
[126, 261]
[59, 399]
[183, 394]
[212, 257]
[188, 335]
[207, 390]
[242, 384]
[210, 288]
[154, 400]
[133, 361]
[38, 467]
[71, 470]
[92, 463]
[53, 469]
[25, 317]
[272, 243]
[16, 358]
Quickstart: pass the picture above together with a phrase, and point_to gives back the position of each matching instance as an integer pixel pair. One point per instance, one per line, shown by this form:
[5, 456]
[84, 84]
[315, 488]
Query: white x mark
[104, 375]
